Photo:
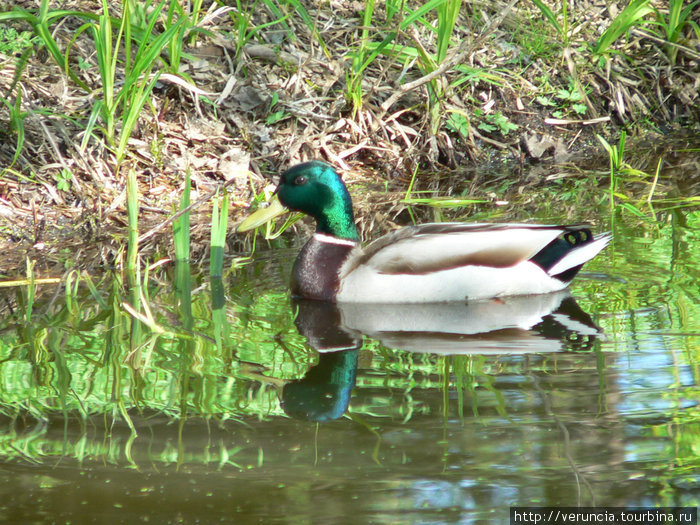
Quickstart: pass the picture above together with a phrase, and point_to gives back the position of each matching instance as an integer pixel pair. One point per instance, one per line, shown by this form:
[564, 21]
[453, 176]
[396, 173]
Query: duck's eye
[300, 180]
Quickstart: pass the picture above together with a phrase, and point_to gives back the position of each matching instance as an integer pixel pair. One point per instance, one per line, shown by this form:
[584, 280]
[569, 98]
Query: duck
[426, 263]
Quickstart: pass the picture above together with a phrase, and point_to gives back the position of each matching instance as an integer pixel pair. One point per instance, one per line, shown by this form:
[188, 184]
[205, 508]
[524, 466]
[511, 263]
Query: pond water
[223, 401]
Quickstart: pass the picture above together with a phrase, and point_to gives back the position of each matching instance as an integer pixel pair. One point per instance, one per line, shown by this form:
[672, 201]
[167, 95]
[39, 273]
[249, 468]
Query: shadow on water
[166, 396]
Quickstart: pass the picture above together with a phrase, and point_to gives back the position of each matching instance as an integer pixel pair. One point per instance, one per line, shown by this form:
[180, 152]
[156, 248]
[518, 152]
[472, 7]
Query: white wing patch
[434, 252]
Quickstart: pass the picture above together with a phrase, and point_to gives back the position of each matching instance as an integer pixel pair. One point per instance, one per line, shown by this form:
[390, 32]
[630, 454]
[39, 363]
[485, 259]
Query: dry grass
[514, 54]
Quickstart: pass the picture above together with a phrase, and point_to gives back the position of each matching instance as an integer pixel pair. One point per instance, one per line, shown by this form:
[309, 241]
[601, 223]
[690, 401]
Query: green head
[316, 189]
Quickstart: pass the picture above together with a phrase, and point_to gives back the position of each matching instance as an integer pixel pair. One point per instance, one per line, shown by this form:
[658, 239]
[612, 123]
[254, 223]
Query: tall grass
[127, 57]
[360, 60]
[672, 26]
[616, 155]
[124, 103]
[41, 25]
[219, 222]
[181, 225]
[17, 116]
[132, 206]
[409, 50]
[562, 28]
[629, 17]
[245, 30]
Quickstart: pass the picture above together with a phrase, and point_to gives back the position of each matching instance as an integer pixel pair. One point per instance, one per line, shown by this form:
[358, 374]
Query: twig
[150, 233]
[563, 122]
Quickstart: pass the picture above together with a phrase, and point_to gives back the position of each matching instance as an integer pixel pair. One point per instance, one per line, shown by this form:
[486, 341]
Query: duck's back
[458, 262]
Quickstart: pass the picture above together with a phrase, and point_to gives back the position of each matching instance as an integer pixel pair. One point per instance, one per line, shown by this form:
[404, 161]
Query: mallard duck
[435, 262]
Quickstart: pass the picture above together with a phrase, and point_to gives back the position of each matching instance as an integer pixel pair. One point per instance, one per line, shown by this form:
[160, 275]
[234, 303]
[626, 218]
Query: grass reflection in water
[175, 376]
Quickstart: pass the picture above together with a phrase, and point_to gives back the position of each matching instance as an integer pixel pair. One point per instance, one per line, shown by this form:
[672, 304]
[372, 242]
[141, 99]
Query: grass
[126, 58]
[41, 25]
[125, 103]
[219, 221]
[673, 24]
[132, 200]
[181, 225]
[428, 84]
[562, 28]
[361, 59]
[402, 44]
[97, 351]
[633, 14]
[17, 117]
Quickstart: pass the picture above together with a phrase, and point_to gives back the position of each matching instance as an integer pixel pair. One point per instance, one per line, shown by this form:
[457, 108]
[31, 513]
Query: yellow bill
[262, 215]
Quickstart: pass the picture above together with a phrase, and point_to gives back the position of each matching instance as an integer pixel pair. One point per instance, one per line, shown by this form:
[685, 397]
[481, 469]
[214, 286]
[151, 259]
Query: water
[220, 410]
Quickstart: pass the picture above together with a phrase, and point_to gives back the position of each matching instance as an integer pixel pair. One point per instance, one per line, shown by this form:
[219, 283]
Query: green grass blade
[549, 15]
[420, 12]
[181, 225]
[133, 112]
[219, 222]
[132, 205]
[447, 18]
[628, 17]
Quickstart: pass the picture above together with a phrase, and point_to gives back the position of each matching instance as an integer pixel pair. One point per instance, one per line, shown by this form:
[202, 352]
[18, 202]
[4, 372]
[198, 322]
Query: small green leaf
[458, 123]
[487, 127]
[275, 117]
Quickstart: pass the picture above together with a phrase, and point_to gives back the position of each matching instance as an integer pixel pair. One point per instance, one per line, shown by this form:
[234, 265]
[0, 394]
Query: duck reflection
[512, 325]
[324, 391]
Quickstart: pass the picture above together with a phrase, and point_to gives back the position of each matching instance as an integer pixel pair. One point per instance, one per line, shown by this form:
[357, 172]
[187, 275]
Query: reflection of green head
[316, 189]
[323, 393]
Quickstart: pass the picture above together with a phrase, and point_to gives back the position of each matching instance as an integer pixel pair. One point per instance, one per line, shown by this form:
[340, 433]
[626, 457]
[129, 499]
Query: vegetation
[153, 92]
[130, 133]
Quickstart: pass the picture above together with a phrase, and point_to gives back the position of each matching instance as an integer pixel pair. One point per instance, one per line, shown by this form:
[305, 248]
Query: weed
[618, 167]
[566, 101]
[275, 116]
[361, 58]
[132, 205]
[433, 201]
[181, 225]
[63, 179]
[491, 122]
[244, 29]
[562, 29]
[616, 154]
[122, 99]
[125, 104]
[459, 123]
[447, 12]
[219, 221]
[17, 117]
[673, 25]
[13, 42]
[629, 17]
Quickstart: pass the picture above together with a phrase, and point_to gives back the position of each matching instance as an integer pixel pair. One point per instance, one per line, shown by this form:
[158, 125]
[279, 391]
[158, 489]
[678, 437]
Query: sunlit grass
[181, 225]
[219, 221]
[633, 14]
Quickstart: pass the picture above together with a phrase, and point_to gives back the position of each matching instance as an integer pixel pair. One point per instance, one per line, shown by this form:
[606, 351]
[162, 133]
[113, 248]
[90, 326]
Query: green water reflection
[180, 410]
